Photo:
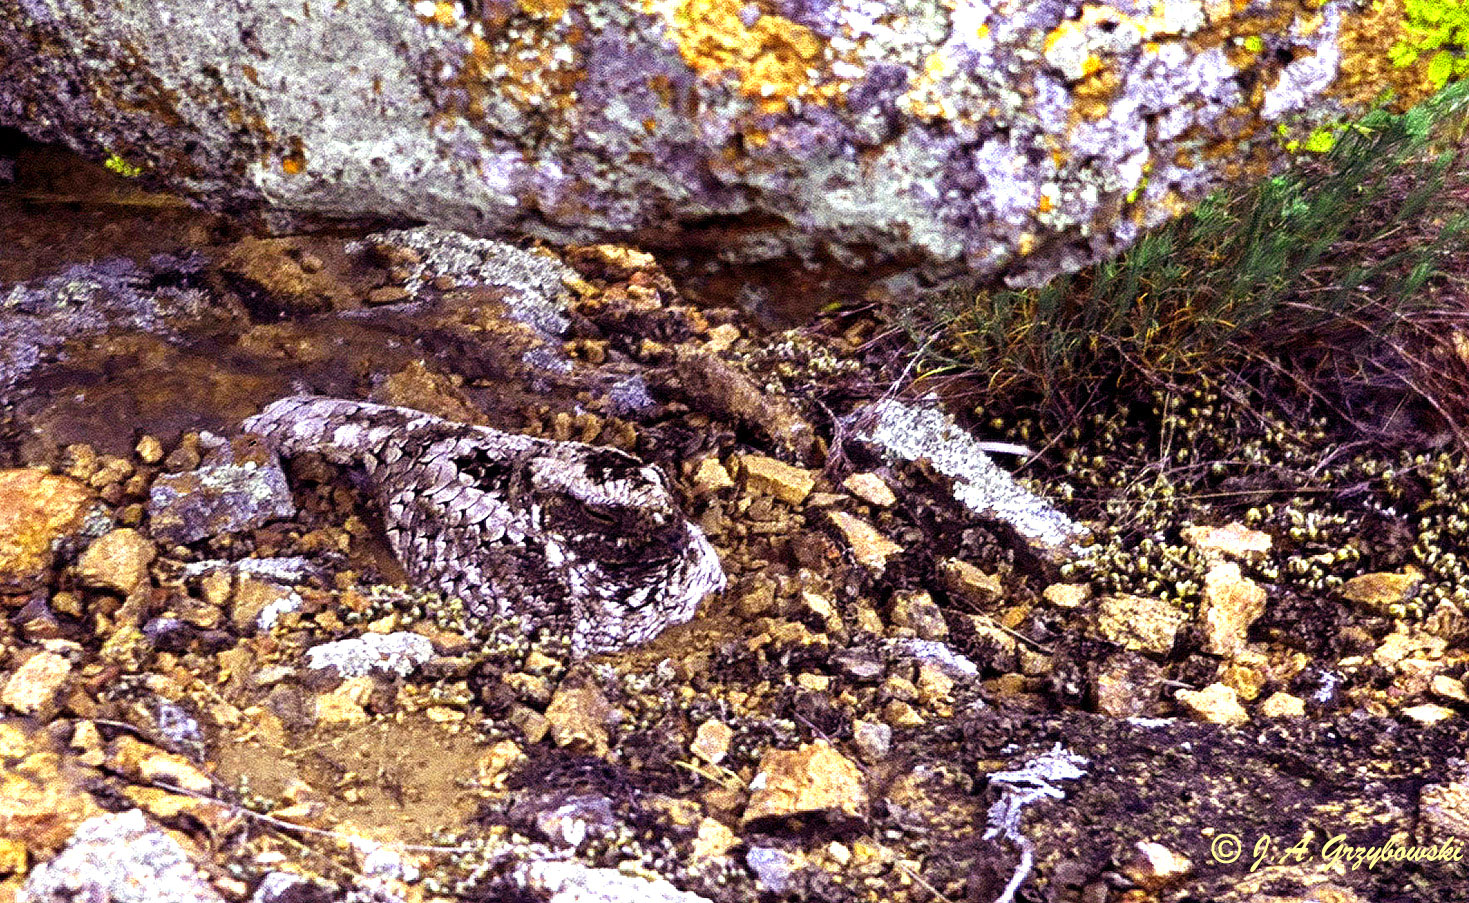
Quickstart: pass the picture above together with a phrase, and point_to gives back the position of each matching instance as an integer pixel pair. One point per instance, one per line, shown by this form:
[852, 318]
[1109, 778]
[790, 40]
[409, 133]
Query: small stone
[118, 561]
[140, 761]
[494, 768]
[873, 740]
[713, 842]
[532, 724]
[1154, 866]
[871, 549]
[1443, 811]
[901, 714]
[916, 611]
[34, 686]
[870, 488]
[1283, 705]
[963, 580]
[1230, 541]
[1429, 713]
[257, 604]
[345, 706]
[1140, 623]
[1382, 593]
[149, 450]
[1231, 603]
[812, 780]
[578, 718]
[775, 869]
[1127, 685]
[934, 686]
[1216, 704]
[1067, 595]
[721, 337]
[767, 476]
[711, 741]
[239, 488]
[388, 294]
[1450, 688]
[36, 510]
[711, 477]
[1247, 674]
[816, 683]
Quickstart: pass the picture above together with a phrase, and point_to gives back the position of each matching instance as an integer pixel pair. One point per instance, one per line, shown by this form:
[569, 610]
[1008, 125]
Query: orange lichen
[771, 57]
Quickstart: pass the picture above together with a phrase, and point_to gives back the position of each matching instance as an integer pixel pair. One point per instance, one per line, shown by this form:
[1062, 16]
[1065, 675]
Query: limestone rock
[1216, 704]
[35, 684]
[1140, 623]
[36, 509]
[1283, 705]
[120, 858]
[871, 549]
[812, 780]
[918, 612]
[1229, 541]
[1232, 602]
[1026, 139]
[239, 486]
[117, 561]
[1383, 594]
[870, 488]
[768, 476]
[711, 741]
[965, 581]
[579, 718]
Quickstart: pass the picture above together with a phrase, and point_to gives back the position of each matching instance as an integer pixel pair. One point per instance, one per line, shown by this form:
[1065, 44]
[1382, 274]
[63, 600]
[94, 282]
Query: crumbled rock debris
[288, 668]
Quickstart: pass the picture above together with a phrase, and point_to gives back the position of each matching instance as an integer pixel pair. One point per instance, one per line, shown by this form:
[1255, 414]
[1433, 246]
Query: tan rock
[1216, 704]
[871, 549]
[711, 741]
[140, 761]
[1246, 674]
[1231, 603]
[118, 561]
[1429, 713]
[1449, 688]
[964, 581]
[149, 450]
[1128, 685]
[1283, 705]
[713, 842]
[346, 705]
[767, 476]
[35, 685]
[578, 717]
[1230, 541]
[494, 768]
[710, 477]
[1383, 593]
[1140, 623]
[870, 488]
[532, 724]
[1154, 866]
[812, 780]
[41, 804]
[1067, 595]
[1443, 811]
[916, 610]
[37, 508]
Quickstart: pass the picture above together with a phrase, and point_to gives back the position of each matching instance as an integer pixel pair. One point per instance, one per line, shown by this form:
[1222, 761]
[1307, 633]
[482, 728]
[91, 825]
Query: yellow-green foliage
[1439, 28]
[122, 167]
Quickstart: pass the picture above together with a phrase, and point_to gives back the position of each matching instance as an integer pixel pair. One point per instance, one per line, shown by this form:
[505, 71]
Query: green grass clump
[1330, 278]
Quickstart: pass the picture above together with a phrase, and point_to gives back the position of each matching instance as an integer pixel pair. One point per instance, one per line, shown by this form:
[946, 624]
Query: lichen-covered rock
[120, 858]
[239, 487]
[838, 136]
[37, 509]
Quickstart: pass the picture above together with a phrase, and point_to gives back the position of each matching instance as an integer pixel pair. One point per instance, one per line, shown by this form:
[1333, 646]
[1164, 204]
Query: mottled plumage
[581, 538]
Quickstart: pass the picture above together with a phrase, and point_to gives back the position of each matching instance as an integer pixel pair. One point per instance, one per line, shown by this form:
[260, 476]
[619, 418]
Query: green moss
[122, 167]
[1438, 29]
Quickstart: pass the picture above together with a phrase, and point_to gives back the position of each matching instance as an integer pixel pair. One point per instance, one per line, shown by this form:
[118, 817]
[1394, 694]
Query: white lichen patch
[397, 653]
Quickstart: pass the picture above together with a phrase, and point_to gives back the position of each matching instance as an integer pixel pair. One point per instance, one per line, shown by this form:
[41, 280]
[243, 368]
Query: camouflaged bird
[586, 540]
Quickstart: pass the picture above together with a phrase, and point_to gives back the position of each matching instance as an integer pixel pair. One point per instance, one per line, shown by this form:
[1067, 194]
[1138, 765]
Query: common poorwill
[583, 539]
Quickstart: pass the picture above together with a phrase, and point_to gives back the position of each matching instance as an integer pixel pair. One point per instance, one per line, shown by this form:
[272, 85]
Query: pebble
[916, 611]
[873, 740]
[578, 718]
[37, 509]
[1230, 541]
[870, 488]
[1283, 705]
[1154, 866]
[767, 476]
[1449, 688]
[1216, 704]
[1429, 713]
[239, 487]
[1140, 623]
[1382, 593]
[1231, 603]
[871, 549]
[711, 476]
[711, 741]
[1067, 595]
[963, 580]
[117, 561]
[812, 780]
[149, 450]
[344, 706]
[35, 685]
